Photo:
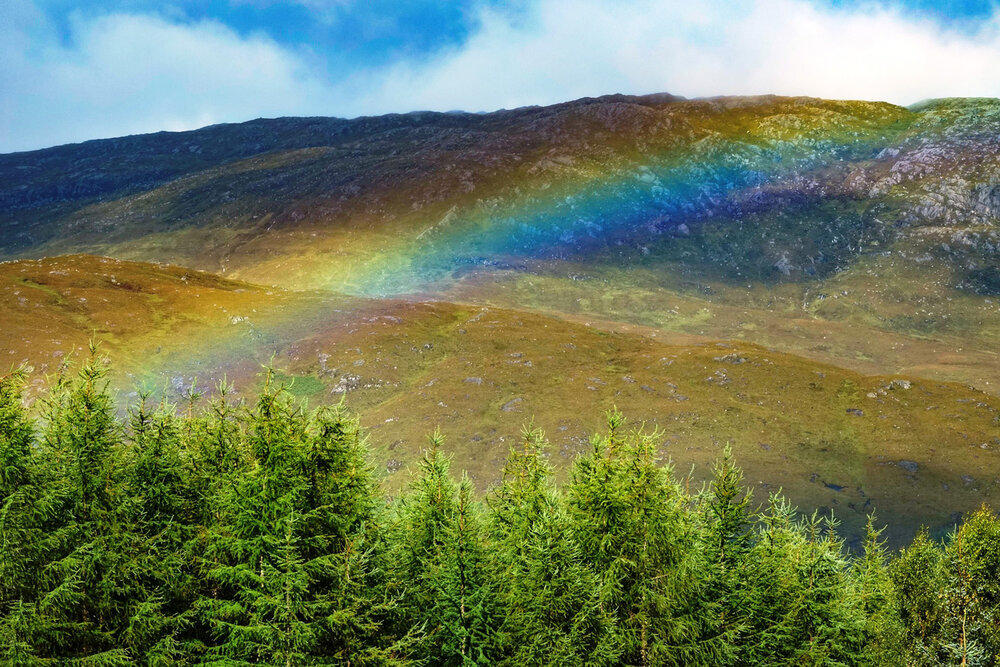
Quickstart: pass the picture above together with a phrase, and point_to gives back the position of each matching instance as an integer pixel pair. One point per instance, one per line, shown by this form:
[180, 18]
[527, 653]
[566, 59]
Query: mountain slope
[916, 450]
[866, 216]
[759, 270]
[446, 192]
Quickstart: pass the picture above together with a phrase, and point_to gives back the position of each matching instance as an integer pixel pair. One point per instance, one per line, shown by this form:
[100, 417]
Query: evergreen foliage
[635, 531]
[549, 596]
[258, 534]
[440, 558]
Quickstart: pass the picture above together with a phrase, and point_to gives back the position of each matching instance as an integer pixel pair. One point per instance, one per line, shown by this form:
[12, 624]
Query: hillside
[769, 271]
[854, 215]
[918, 450]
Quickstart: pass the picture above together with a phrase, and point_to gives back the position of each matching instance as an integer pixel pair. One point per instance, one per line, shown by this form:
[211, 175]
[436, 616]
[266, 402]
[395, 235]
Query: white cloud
[122, 74]
[127, 73]
[572, 48]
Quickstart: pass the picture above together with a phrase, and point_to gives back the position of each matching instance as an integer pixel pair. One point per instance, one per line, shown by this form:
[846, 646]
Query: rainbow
[650, 201]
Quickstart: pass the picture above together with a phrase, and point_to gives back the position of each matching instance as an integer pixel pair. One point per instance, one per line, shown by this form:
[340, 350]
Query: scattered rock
[719, 377]
[474, 380]
[908, 466]
[857, 412]
[731, 358]
[346, 383]
[511, 405]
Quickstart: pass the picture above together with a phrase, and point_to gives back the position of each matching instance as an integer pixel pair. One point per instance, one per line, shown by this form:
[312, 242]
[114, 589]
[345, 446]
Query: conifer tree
[16, 434]
[798, 605]
[163, 518]
[17, 481]
[215, 444]
[21, 520]
[729, 517]
[971, 629]
[884, 642]
[549, 597]
[441, 561]
[258, 607]
[919, 576]
[86, 592]
[631, 522]
[347, 549]
[294, 563]
[727, 535]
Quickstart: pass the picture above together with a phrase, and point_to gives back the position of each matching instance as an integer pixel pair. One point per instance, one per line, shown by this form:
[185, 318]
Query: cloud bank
[572, 48]
[121, 73]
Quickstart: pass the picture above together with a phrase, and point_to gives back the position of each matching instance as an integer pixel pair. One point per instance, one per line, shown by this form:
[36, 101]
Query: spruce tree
[919, 576]
[971, 628]
[215, 445]
[729, 516]
[22, 520]
[549, 597]
[294, 562]
[86, 589]
[441, 563]
[18, 477]
[16, 434]
[728, 537]
[797, 599]
[633, 527]
[347, 550]
[163, 521]
[884, 642]
[258, 604]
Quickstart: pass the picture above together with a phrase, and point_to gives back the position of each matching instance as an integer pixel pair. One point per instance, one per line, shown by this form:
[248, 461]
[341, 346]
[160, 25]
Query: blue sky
[342, 34]
[78, 70]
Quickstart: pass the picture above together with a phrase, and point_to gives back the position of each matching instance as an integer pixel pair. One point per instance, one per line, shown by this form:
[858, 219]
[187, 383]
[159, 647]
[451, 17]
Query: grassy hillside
[774, 220]
[754, 270]
[917, 450]
[140, 312]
